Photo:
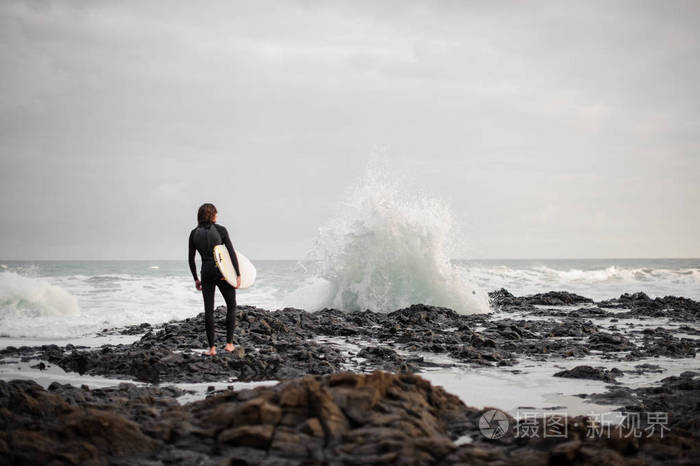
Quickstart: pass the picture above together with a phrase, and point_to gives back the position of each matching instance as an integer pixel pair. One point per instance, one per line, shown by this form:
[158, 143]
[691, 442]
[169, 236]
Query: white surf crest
[599, 283]
[29, 297]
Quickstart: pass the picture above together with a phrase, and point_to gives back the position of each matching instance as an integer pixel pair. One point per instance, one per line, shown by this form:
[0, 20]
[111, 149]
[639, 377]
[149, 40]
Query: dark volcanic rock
[278, 347]
[484, 355]
[646, 368]
[386, 359]
[556, 298]
[128, 330]
[502, 297]
[678, 398]
[282, 344]
[358, 419]
[669, 347]
[419, 314]
[504, 300]
[610, 342]
[639, 304]
[39, 427]
[344, 418]
[592, 373]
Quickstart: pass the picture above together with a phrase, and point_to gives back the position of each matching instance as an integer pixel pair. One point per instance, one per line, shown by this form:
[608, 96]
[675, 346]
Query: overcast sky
[562, 129]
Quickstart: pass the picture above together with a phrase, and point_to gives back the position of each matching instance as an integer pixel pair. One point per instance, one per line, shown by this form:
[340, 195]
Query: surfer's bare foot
[211, 352]
[229, 347]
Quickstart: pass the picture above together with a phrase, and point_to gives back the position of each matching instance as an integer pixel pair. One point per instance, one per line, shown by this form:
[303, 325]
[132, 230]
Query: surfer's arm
[190, 258]
[227, 241]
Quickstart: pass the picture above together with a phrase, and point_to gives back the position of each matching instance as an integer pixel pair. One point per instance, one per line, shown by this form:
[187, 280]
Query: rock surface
[592, 373]
[344, 418]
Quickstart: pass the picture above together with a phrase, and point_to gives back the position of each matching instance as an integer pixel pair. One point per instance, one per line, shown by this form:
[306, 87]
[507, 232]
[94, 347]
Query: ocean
[60, 300]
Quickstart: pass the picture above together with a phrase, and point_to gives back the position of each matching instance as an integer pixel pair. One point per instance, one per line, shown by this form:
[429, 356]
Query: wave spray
[385, 250]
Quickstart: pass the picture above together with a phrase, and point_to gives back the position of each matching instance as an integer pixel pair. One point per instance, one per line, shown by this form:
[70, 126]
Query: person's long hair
[206, 213]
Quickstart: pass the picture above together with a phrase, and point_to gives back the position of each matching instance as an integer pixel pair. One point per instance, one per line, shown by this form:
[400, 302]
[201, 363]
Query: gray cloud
[553, 129]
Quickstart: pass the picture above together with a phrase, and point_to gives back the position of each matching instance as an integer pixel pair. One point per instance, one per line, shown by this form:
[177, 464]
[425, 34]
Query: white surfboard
[223, 261]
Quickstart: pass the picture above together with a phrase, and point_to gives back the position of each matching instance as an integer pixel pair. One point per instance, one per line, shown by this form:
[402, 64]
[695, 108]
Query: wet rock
[342, 418]
[502, 297]
[346, 417]
[610, 342]
[556, 298]
[254, 436]
[167, 355]
[572, 329]
[128, 330]
[616, 395]
[69, 434]
[386, 359]
[646, 368]
[505, 301]
[641, 305]
[552, 348]
[676, 399]
[419, 314]
[592, 373]
[482, 356]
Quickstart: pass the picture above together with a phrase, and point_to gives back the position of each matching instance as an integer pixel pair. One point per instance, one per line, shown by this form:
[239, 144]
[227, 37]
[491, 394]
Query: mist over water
[387, 249]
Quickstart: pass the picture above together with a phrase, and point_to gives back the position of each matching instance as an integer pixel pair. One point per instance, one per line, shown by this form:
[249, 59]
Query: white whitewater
[591, 278]
[26, 296]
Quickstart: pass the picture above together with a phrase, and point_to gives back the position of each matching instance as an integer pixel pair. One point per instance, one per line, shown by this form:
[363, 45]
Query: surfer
[203, 239]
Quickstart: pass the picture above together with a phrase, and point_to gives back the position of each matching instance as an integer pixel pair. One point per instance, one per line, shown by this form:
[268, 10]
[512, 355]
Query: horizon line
[311, 260]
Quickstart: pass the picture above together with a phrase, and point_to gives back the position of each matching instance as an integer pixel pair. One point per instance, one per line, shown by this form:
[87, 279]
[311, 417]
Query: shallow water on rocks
[15, 369]
[529, 386]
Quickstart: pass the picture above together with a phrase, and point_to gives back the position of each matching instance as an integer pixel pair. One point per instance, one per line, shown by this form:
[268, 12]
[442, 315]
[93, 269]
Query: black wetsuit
[203, 239]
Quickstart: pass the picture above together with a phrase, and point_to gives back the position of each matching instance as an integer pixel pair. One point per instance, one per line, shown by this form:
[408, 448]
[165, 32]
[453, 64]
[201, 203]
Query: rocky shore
[290, 342]
[343, 418]
[351, 391]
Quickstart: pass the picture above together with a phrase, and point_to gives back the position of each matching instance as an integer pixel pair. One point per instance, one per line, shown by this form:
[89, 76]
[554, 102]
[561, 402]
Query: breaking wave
[589, 279]
[28, 297]
[386, 250]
